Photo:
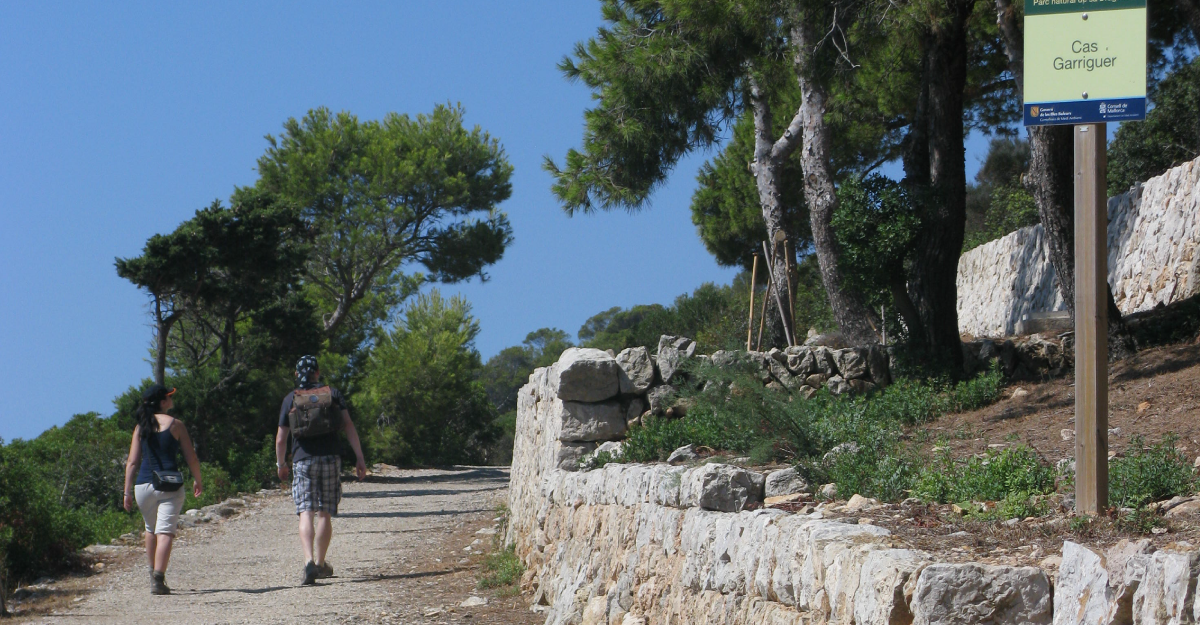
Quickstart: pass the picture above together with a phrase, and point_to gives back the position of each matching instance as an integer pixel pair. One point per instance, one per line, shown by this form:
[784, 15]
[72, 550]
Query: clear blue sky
[119, 121]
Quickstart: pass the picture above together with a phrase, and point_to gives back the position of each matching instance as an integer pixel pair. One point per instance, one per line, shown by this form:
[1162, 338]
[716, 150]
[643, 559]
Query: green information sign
[1085, 61]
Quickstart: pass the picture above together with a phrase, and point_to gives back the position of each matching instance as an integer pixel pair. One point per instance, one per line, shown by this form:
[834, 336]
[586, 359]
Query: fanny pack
[166, 481]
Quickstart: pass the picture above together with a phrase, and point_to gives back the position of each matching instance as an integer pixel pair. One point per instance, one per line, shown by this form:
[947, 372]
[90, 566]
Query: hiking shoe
[324, 570]
[158, 583]
[310, 574]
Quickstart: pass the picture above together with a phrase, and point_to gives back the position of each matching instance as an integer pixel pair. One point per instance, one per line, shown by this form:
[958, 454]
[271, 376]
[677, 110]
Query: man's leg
[306, 534]
[324, 530]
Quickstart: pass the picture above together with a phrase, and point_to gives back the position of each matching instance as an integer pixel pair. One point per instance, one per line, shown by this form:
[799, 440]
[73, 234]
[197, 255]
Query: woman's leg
[151, 547]
[162, 556]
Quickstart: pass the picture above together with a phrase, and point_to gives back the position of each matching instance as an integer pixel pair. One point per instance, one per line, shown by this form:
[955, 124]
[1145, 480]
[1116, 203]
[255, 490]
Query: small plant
[502, 569]
[1010, 475]
[1141, 520]
[596, 460]
[1082, 524]
[1149, 474]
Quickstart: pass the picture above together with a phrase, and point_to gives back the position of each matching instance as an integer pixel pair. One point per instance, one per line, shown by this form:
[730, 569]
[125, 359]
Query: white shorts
[160, 510]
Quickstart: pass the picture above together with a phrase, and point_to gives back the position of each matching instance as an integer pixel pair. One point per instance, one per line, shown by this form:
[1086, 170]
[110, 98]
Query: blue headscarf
[306, 372]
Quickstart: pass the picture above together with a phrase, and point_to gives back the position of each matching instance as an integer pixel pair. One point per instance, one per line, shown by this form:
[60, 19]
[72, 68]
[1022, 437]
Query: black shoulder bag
[166, 481]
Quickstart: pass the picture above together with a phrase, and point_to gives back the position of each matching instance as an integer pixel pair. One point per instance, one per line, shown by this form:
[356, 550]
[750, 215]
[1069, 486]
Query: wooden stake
[753, 280]
[762, 316]
[787, 262]
[787, 336]
[1091, 319]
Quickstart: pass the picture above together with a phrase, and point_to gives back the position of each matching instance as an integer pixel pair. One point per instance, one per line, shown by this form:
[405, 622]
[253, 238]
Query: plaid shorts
[317, 484]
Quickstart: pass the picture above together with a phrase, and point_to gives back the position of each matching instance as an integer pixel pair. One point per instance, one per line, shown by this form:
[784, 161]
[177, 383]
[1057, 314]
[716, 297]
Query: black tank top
[167, 459]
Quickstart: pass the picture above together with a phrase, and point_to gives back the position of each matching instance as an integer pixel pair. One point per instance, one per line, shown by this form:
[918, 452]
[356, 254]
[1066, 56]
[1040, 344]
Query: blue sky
[118, 122]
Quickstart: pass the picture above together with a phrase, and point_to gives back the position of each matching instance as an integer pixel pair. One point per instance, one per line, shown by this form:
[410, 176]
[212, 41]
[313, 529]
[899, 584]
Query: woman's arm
[189, 454]
[131, 467]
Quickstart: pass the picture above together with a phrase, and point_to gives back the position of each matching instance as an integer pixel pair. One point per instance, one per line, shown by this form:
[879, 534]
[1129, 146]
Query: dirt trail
[397, 554]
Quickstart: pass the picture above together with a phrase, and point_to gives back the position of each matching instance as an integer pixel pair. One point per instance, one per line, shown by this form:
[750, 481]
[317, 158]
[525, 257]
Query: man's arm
[360, 468]
[281, 437]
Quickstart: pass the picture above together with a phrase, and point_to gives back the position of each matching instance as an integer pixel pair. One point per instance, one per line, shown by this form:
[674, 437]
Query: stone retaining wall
[1153, 239]
[634, 544]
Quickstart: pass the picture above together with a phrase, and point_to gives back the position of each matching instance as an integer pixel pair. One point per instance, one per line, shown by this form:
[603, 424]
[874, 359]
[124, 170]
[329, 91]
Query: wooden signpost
[1085, 65]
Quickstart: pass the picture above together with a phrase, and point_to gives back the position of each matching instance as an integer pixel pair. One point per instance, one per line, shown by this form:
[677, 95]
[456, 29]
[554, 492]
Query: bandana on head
[306, 372]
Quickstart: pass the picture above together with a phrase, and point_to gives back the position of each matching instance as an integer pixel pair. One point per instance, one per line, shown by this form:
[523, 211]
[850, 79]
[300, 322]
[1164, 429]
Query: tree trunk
[765, 168]
[854, 319]
[936, 171]
[1051, 181]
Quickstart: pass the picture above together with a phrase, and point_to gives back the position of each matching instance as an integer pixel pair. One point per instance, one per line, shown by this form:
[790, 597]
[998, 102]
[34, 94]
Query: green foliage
[1169, 136]
[44, 518]
[217, 486]
[506, 372]
[1149, 473]
[379, 194]
[422, 382]
[501, 569]
[1011, 208]
[1012, 475]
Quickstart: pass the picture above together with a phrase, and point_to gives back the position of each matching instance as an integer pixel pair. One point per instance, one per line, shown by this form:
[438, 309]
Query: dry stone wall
[638, 544]
[1153, 240]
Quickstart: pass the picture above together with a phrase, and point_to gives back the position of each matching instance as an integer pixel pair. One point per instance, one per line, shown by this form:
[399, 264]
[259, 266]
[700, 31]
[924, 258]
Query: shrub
[1011, 476]
[217, 486]
[501, 568]
[1148, 474]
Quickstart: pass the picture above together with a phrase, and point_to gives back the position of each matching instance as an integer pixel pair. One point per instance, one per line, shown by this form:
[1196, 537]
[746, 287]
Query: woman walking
[154, 459]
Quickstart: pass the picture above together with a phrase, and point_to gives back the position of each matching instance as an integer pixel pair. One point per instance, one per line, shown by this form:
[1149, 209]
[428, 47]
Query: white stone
[952, 594]
[583, 422]
[473, 602]
[1167, 593]
[1082, 595]
[884, 588]
[636, 370]
[785, 482]
[586, 375]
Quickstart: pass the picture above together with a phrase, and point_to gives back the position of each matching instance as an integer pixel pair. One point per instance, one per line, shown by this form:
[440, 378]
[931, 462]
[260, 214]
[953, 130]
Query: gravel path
[397, 552]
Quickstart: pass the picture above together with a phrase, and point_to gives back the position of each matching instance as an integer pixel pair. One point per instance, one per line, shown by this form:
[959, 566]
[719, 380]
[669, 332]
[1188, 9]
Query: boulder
[612, 448]
[660, 398]
[885, 586]
[591, 422]
[816, 380]
[785, 482]
[672, 351]
[877, 365]
[824, 361]
[687, 453]
[721, 487]
[1167, 593]
[807, 392]
[1082, 595]
[800, 361]
[780, 372]
[585, 374]
[858, 503]
[635, 370]
[851, 362]
[861, 387]
[838, 386]
[950, 594]
[569, 455]
[633, 412]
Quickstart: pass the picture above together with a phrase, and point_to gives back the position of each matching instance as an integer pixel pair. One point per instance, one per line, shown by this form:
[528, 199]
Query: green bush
[217, 486]
[1149, 473]
[1011, 475]
[501, 568]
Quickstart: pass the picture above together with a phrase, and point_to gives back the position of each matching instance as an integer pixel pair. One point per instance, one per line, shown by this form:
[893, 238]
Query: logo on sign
[1103, 108]
[1033, 111]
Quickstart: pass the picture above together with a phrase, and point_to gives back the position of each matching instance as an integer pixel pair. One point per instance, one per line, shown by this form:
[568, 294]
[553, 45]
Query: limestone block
[1167, 593]
[886, 583]
[814, 537]
[851, 362]
[1082, 595]
[672, 352]
[569, 455]
[720, 487]
[823, 357]
[665, 483]
[877, 365]
[800, 361]
[785, 482]
[635, 370]
[951, 594]
[589, 422]
[838, 385]
[586, 375]
[660, 398]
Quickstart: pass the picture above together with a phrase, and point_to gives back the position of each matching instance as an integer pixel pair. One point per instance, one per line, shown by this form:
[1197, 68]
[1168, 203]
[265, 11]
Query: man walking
[314, 414]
